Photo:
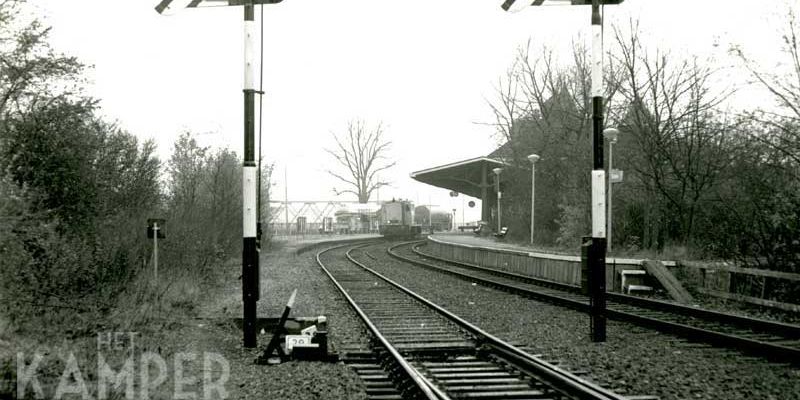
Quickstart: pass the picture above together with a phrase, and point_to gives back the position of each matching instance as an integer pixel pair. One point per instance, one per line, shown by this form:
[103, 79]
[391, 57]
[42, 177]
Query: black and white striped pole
[250, 264]
[597, 249]
[250, 259]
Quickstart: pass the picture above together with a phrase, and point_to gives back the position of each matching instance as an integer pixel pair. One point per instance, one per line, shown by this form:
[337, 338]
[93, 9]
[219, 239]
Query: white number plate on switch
[299, 341]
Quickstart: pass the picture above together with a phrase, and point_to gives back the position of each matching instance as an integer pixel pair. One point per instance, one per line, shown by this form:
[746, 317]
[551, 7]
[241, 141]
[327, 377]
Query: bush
[203, 207]
[78, 191]
[573, 225]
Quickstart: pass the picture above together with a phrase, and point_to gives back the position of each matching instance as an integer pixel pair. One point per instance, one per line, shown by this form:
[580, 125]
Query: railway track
[427, 352]
[773, 340]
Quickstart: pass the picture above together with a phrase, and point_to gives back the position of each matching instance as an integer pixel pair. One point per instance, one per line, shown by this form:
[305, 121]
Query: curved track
[773, 340]
[431, 353]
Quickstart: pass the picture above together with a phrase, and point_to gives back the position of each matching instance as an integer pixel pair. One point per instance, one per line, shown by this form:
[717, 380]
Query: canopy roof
[462, 176]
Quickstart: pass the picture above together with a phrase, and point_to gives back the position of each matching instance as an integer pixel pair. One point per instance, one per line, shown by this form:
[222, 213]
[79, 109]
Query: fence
[750, 285]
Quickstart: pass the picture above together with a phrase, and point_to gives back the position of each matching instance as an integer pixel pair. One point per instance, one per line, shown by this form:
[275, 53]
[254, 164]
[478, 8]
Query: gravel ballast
[634, 360]
[283, 270]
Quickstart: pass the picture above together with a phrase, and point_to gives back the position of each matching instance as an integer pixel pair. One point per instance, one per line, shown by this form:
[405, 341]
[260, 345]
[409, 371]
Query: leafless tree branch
[361, 155]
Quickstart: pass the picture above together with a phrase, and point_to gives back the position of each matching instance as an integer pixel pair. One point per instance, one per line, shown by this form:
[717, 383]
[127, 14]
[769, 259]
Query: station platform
[319, 238]
[526, 260]
[302, 243]
[469, 238]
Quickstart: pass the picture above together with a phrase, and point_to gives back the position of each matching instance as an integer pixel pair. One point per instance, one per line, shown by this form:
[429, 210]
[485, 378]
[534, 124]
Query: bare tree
[29, 67]
[361, 154]
[768, 169]
[507, 106]
[676, 132]
[783, 83]
[266, 193]
[543, 106]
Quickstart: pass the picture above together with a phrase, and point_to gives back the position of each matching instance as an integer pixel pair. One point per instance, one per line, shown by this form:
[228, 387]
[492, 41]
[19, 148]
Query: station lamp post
[597, 248]
[250, 261]
[611, 135]
[497, 172]
[533, 158]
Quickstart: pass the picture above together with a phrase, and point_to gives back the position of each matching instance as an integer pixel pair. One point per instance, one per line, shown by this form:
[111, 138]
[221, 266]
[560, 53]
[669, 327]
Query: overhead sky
[423, 68]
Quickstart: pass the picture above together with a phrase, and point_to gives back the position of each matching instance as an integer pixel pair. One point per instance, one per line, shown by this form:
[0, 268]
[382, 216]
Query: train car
[357, 218]
[397, 220]
[437, 220]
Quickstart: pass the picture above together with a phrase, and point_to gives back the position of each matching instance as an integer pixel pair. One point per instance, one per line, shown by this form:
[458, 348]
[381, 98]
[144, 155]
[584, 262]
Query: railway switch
[298, 338]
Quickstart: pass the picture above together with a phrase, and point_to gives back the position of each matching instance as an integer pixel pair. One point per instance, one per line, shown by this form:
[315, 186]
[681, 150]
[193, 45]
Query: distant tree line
[700, 180]
[76, 191]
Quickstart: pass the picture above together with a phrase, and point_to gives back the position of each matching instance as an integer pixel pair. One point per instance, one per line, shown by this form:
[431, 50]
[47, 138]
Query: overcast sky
[424, 68]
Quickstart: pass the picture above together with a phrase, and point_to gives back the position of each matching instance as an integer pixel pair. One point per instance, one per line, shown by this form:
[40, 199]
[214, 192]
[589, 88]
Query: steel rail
[430, 391]
[757, 347]
[745, 322]
[566, 382]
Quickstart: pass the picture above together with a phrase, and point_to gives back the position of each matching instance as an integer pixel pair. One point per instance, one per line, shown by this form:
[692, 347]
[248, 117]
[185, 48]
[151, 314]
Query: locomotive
[397, 220]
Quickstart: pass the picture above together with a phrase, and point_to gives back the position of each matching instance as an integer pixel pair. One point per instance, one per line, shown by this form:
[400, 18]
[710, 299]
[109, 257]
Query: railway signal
[155, 231]
[597, 250]
[250, 261]
[166, 7]
[519, 5]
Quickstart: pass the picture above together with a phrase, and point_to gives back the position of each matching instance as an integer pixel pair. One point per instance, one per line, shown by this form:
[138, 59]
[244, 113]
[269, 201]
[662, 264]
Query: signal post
[250, 259]
[597, 247]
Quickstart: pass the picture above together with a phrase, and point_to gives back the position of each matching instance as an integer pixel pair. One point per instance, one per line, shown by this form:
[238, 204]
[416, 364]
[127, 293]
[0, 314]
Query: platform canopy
[467, 176]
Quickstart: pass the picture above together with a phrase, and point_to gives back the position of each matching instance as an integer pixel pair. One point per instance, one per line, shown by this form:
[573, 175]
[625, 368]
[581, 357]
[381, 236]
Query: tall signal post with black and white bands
[250, 262]
[250, 259]
[597, 248]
